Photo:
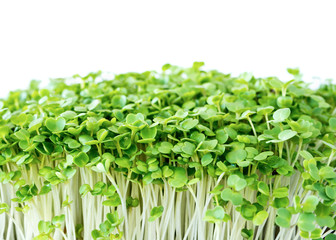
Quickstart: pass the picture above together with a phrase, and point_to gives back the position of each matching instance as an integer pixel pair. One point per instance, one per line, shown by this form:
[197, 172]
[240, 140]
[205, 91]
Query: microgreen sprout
[181, 154]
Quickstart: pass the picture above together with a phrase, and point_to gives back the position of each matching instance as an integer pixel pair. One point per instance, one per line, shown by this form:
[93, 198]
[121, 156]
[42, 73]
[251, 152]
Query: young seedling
[178, 154]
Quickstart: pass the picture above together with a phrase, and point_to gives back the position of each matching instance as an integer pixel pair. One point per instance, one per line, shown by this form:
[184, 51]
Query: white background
[49, 39]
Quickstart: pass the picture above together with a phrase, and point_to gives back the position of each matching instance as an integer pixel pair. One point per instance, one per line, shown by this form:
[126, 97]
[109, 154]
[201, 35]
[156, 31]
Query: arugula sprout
[178, 154]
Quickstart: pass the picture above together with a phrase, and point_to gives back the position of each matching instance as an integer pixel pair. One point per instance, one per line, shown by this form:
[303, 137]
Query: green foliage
[283, 218]
[236, 182]
[179, 178]
[55, 125]
[260, 217]
[155, 213]
[109, 229]
[216, 215]
[46, 228]
[270, 145]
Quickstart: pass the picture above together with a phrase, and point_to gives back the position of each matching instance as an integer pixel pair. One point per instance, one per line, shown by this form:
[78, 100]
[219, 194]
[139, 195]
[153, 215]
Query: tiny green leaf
[236, 182]
[165, 147]
[55, 125]
[286, 134]
[280, 192]
[306, 222]
[283, 218]
[206, 159]
[310, 204]
[189, 123]
[260, 217]
[179, 178]
[263, 155]
[281, 115]
[236, 155]
[215, 215]
[4, 208]
[228, 195]
[155, 213]
[81, 159]
[263, 188]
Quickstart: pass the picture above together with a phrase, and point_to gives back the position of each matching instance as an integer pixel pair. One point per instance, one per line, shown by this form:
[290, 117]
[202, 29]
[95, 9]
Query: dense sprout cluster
[182, 154]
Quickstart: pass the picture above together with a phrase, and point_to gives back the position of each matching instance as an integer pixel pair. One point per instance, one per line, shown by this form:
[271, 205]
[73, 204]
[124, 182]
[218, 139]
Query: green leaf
[45, 189]
[4, 208]
[148, 133]
[325, 221]
[96, 234]
[112, 201]
[327, 172]
[281, 115]
[284, 101]
[331, 192]
[114, 219]
[155, 213]
[69, 115]
[55, 125]
[283, 218]
[35, 124]
[189, 124]
[286, 134]
[20, 119]
[310, 204]
[263, 155]
[132, 118]
[45, 227]
[236, 155]
[193, 181]
[84, 189]
[123, 162]
[248, 211]
[81, 159]
[330, 236]
[209, 144]
[247, 233]
[22, 134]
[313, 170]
[72, 143]
[165, 147]
[197, 136]
[306, 155]
[260, 217]
[69, 172]
[263, 188]
[215, 215]
[167, 172]
[105, 227]
[236, 182]
[119, 101]
[306, 222]
[181, 114]
[83, 139]
[228, 195]
[94, 104]
[179, 178]
[132, 202]
[265, 110]
[101, 135]
[246, 114]
[280, 202]
[221, 136]
[280, 192]
[188, 148]
[58, 219]
[332, 123]
[206, 159]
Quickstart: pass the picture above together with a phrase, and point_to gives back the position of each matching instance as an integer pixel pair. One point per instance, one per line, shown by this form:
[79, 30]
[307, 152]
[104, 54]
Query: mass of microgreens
[180, 154]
